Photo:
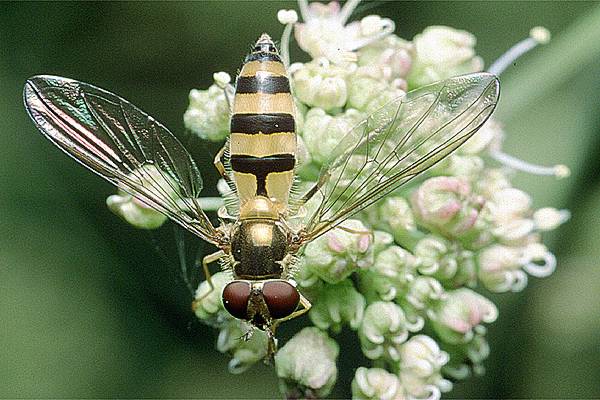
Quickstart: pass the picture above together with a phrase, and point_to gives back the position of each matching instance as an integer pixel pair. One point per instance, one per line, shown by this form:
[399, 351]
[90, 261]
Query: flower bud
[222, 79]
[463, 166]
[387, 95]
[207, 115]
[376, 384]
[460, 313]
[393, 270]
[338, 253]
[135, 211]
[383, 330]
[324, 35]
[421, 361]
[319, 84]
[208, 304]
[395, 215]
[362, 89]
[500, 268]
[425, 294]
[391, 56]
[336, 305]
[306, 364]
[509, 204]
[323, 132]
[445, 261]
[514, 232]
[287, 17]
[445, 204]
[244, 352]
[443, 52]
[548, 218]
[491, 181]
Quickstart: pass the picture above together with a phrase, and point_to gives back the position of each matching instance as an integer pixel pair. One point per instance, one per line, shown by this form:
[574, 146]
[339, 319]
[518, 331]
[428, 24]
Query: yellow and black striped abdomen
[263, 139]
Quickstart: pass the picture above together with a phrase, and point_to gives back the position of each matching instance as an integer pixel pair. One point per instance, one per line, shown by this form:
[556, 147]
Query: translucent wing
[399, 141]
[122, 144]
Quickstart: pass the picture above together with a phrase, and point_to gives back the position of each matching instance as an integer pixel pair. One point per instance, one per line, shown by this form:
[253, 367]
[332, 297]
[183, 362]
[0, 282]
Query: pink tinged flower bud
[391, 56]
[384, 328]
[376, 384]
[306, 364]
[319, 84]
[421, 361]
[460, 313]
[325, 33]
[395, 214]
[500, 268]
[445, 203]
[338, 253]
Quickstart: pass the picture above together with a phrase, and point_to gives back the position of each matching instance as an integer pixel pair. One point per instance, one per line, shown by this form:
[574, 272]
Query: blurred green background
[89, 307]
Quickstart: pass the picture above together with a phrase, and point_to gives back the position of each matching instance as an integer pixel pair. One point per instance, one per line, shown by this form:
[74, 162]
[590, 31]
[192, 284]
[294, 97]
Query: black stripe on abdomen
[266, 124]
[260, 167]
[262, 84]
[262, 56]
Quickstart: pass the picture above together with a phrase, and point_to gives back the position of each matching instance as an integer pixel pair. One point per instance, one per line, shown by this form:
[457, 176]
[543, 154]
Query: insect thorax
[258, 247]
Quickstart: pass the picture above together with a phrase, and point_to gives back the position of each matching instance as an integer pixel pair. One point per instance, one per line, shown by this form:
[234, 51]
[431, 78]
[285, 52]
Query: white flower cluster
[462, 227]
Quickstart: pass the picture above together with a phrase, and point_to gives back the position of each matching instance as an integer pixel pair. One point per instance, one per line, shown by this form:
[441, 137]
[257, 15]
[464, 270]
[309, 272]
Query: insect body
[258, 244]
[262, 158]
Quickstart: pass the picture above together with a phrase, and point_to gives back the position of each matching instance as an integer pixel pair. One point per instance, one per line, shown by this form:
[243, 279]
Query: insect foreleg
[205, 261]
[305, 307]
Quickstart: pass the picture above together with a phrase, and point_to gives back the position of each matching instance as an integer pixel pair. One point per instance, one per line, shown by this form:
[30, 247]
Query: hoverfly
[259, 242]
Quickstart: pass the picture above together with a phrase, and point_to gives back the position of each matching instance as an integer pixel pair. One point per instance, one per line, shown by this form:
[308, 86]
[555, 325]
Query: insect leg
[313, 190]
[356, 231]
[205, 261]
[305, 307]
[219, 164]
[272, 340]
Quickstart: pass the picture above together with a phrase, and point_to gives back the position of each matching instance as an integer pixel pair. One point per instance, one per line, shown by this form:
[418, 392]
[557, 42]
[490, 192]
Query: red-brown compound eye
[281, 297]
[235, 298]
